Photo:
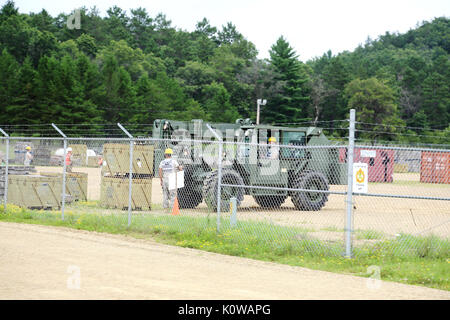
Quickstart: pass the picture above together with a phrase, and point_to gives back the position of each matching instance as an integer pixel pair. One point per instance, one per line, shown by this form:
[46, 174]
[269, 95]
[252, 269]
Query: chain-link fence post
[219, 174]
[5, 200]
[351, 148]
[63, 200]
[130, 177]
[219, 183]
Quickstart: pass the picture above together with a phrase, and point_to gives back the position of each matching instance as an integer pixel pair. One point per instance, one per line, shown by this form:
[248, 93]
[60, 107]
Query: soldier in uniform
[272, 151]
[28, 156]
[167, 167]
[69, 160]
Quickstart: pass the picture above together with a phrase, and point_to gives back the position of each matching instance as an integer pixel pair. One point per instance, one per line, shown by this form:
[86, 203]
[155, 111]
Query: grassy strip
[407, 259]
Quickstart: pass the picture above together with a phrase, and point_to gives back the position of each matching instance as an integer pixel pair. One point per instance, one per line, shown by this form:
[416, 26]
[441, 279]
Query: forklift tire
[188, 198]
[270, 201]
[229, 176]
[310, 201]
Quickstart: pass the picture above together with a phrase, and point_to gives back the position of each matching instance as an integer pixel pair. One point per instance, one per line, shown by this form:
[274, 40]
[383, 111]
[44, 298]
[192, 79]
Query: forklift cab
[294, 139]
[257, 139]
[269, 164]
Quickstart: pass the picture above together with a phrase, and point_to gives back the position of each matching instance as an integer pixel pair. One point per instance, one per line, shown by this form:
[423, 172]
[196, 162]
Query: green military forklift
[301, 159]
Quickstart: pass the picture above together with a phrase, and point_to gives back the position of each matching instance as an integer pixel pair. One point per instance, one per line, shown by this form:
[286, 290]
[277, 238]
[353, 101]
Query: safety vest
[68, 161]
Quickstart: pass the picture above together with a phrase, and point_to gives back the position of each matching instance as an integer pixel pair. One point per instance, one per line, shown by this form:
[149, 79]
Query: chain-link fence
[271, 187]
[407, 203]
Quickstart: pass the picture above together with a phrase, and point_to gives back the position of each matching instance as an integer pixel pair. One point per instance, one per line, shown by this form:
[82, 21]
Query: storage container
[435, 167]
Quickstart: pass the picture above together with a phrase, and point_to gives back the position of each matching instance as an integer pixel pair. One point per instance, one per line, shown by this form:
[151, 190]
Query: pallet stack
[115, 176]
[20, 151]
[41, 155]
[40, 150]
[13, 170]
[30, 190]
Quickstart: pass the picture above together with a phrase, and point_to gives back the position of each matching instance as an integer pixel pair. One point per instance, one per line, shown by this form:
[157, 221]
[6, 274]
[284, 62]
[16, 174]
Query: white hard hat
[69, 149]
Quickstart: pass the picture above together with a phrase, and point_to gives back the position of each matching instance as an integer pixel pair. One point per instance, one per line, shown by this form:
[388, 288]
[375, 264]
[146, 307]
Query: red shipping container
[380, 162]
[435, 167]
[343, 155]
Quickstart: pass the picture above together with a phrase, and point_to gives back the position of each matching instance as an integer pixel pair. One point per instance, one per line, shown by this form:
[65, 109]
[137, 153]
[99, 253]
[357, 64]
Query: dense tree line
[134, 68]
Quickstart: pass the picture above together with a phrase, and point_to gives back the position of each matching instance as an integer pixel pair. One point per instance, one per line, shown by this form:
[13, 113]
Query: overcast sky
[311, 27]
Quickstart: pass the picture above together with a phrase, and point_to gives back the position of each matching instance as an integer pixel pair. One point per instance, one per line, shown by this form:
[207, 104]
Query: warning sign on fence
[360, 177]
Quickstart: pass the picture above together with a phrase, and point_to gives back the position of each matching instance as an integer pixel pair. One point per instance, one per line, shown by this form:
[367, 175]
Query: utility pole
[259, 103]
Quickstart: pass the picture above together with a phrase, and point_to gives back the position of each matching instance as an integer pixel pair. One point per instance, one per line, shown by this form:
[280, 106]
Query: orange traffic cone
[176, 208]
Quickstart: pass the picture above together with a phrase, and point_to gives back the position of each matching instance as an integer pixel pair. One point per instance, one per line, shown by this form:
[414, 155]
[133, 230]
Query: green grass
[408, 259]
[369, 235]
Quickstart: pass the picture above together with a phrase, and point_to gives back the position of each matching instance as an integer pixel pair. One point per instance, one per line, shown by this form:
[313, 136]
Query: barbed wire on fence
[314, 123]
[402, 134]
[400, 127]
[395, 143]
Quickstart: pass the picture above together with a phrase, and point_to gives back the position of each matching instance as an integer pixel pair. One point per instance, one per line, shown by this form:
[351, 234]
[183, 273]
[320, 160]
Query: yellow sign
[360, 176]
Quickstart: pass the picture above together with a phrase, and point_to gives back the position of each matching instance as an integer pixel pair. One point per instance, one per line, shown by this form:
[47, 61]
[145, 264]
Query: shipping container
[380, 162]
[435, 167]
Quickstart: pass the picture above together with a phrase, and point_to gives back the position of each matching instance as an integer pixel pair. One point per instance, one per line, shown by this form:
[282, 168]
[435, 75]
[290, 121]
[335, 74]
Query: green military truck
[246, 168]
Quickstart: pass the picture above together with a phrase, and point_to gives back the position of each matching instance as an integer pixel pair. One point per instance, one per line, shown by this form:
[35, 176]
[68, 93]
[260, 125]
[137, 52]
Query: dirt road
[39, 262]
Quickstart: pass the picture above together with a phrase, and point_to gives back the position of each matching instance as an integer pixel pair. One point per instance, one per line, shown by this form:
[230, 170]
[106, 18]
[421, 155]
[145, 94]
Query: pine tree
[8, 83]
[291, 104]
[436, 93]
[118, 96]
[23, 108]
[336, 77]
